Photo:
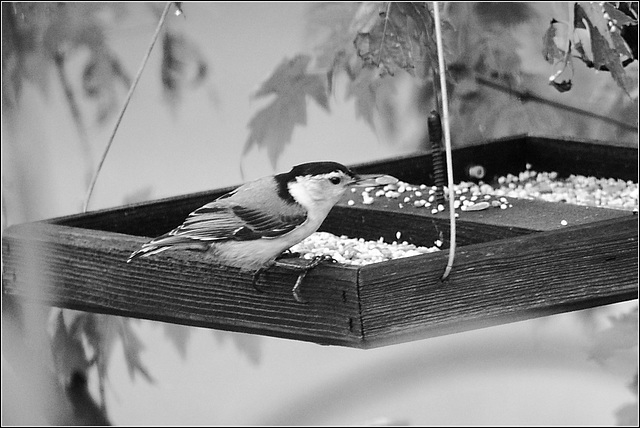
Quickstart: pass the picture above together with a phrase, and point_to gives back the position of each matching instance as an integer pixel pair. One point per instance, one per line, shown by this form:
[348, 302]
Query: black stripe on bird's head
[331, 170]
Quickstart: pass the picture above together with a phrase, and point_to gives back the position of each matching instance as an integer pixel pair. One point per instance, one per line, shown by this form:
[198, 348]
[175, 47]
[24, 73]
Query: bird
[251, 226]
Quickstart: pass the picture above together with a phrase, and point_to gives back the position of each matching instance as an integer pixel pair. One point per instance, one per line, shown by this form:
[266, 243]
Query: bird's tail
[168, 242]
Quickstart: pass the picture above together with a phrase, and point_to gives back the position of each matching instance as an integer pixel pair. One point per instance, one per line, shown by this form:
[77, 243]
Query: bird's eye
[335, 180]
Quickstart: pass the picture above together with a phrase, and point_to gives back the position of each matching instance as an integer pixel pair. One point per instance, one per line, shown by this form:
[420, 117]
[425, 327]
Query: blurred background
[214, 107]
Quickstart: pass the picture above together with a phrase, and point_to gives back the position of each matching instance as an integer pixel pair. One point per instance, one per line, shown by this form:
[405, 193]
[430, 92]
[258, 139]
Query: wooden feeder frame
[510, 265]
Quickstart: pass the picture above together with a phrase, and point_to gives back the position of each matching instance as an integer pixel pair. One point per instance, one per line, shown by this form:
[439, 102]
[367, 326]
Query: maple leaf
[598, 42]
[363, 91]
[556, 43]
[329, 29]
[557, 51]
[291, 84]
[401, 38]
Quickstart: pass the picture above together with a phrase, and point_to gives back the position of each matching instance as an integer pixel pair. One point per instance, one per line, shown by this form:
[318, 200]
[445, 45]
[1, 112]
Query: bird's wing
[253, 211]
[229, 220]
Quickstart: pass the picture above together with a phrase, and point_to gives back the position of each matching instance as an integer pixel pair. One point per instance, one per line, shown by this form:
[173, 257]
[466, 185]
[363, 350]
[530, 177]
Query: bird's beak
[373, 180]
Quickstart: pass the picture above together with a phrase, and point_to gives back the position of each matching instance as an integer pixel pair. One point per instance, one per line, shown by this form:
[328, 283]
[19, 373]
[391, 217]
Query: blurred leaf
[485, 50]
[333, 26]
[248, 345]
[329, 30]
[604, 56]
[69, 355]
[100, 81]
[556, 43]
[97, 334]
[363, 90]
[179, 336]
[503, 14]
[36, 36]
[597, 39]
[132, 348]
[562, 86]
[627, 415]
[183, 65]
[401, 38]
[621, 336]
[22, 58]
[621, 19]
[272, 127]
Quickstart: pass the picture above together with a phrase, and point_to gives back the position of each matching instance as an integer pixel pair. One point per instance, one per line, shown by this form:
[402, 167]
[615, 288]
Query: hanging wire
[126, 103]
[447, 140]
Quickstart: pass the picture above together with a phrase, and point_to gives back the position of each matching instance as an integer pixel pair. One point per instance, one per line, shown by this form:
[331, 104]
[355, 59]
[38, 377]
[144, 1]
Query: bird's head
[324, 183]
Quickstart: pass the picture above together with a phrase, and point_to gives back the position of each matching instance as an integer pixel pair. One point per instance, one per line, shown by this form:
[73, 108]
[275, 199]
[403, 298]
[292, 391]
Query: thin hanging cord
[447, 140]
[126, 103]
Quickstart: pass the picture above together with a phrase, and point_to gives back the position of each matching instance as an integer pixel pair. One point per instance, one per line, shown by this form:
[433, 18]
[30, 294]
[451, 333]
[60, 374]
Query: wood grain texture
[87, 270]
[494, 282]
[510, 265]
[502, 281]
[148, 219]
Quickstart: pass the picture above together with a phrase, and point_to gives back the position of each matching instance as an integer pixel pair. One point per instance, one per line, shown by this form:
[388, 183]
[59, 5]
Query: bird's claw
[288, 254]
[314, 262]
[296, 288]
[256, 277]
[303, 270]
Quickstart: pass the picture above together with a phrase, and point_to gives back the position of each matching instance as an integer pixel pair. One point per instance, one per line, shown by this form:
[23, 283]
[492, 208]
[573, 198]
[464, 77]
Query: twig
[447, 141]
[384, 31]
[126, 103]
[526, 96]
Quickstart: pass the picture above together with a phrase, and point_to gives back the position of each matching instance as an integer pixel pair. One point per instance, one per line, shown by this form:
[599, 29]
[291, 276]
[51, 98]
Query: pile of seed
[529, 184]
[356, 251]
[575, 189]
[469, 196]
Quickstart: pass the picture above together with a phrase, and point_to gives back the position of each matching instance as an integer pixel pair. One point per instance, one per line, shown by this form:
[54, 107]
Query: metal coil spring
[435, 137]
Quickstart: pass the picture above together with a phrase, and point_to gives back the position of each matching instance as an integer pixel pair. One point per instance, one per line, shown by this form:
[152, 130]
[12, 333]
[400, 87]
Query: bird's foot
[302, 272]
[258, 273]
[288, 254]
[301, 269]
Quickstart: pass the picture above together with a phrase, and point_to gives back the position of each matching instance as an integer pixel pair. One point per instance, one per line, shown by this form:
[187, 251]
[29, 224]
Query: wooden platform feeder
[511, 264]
